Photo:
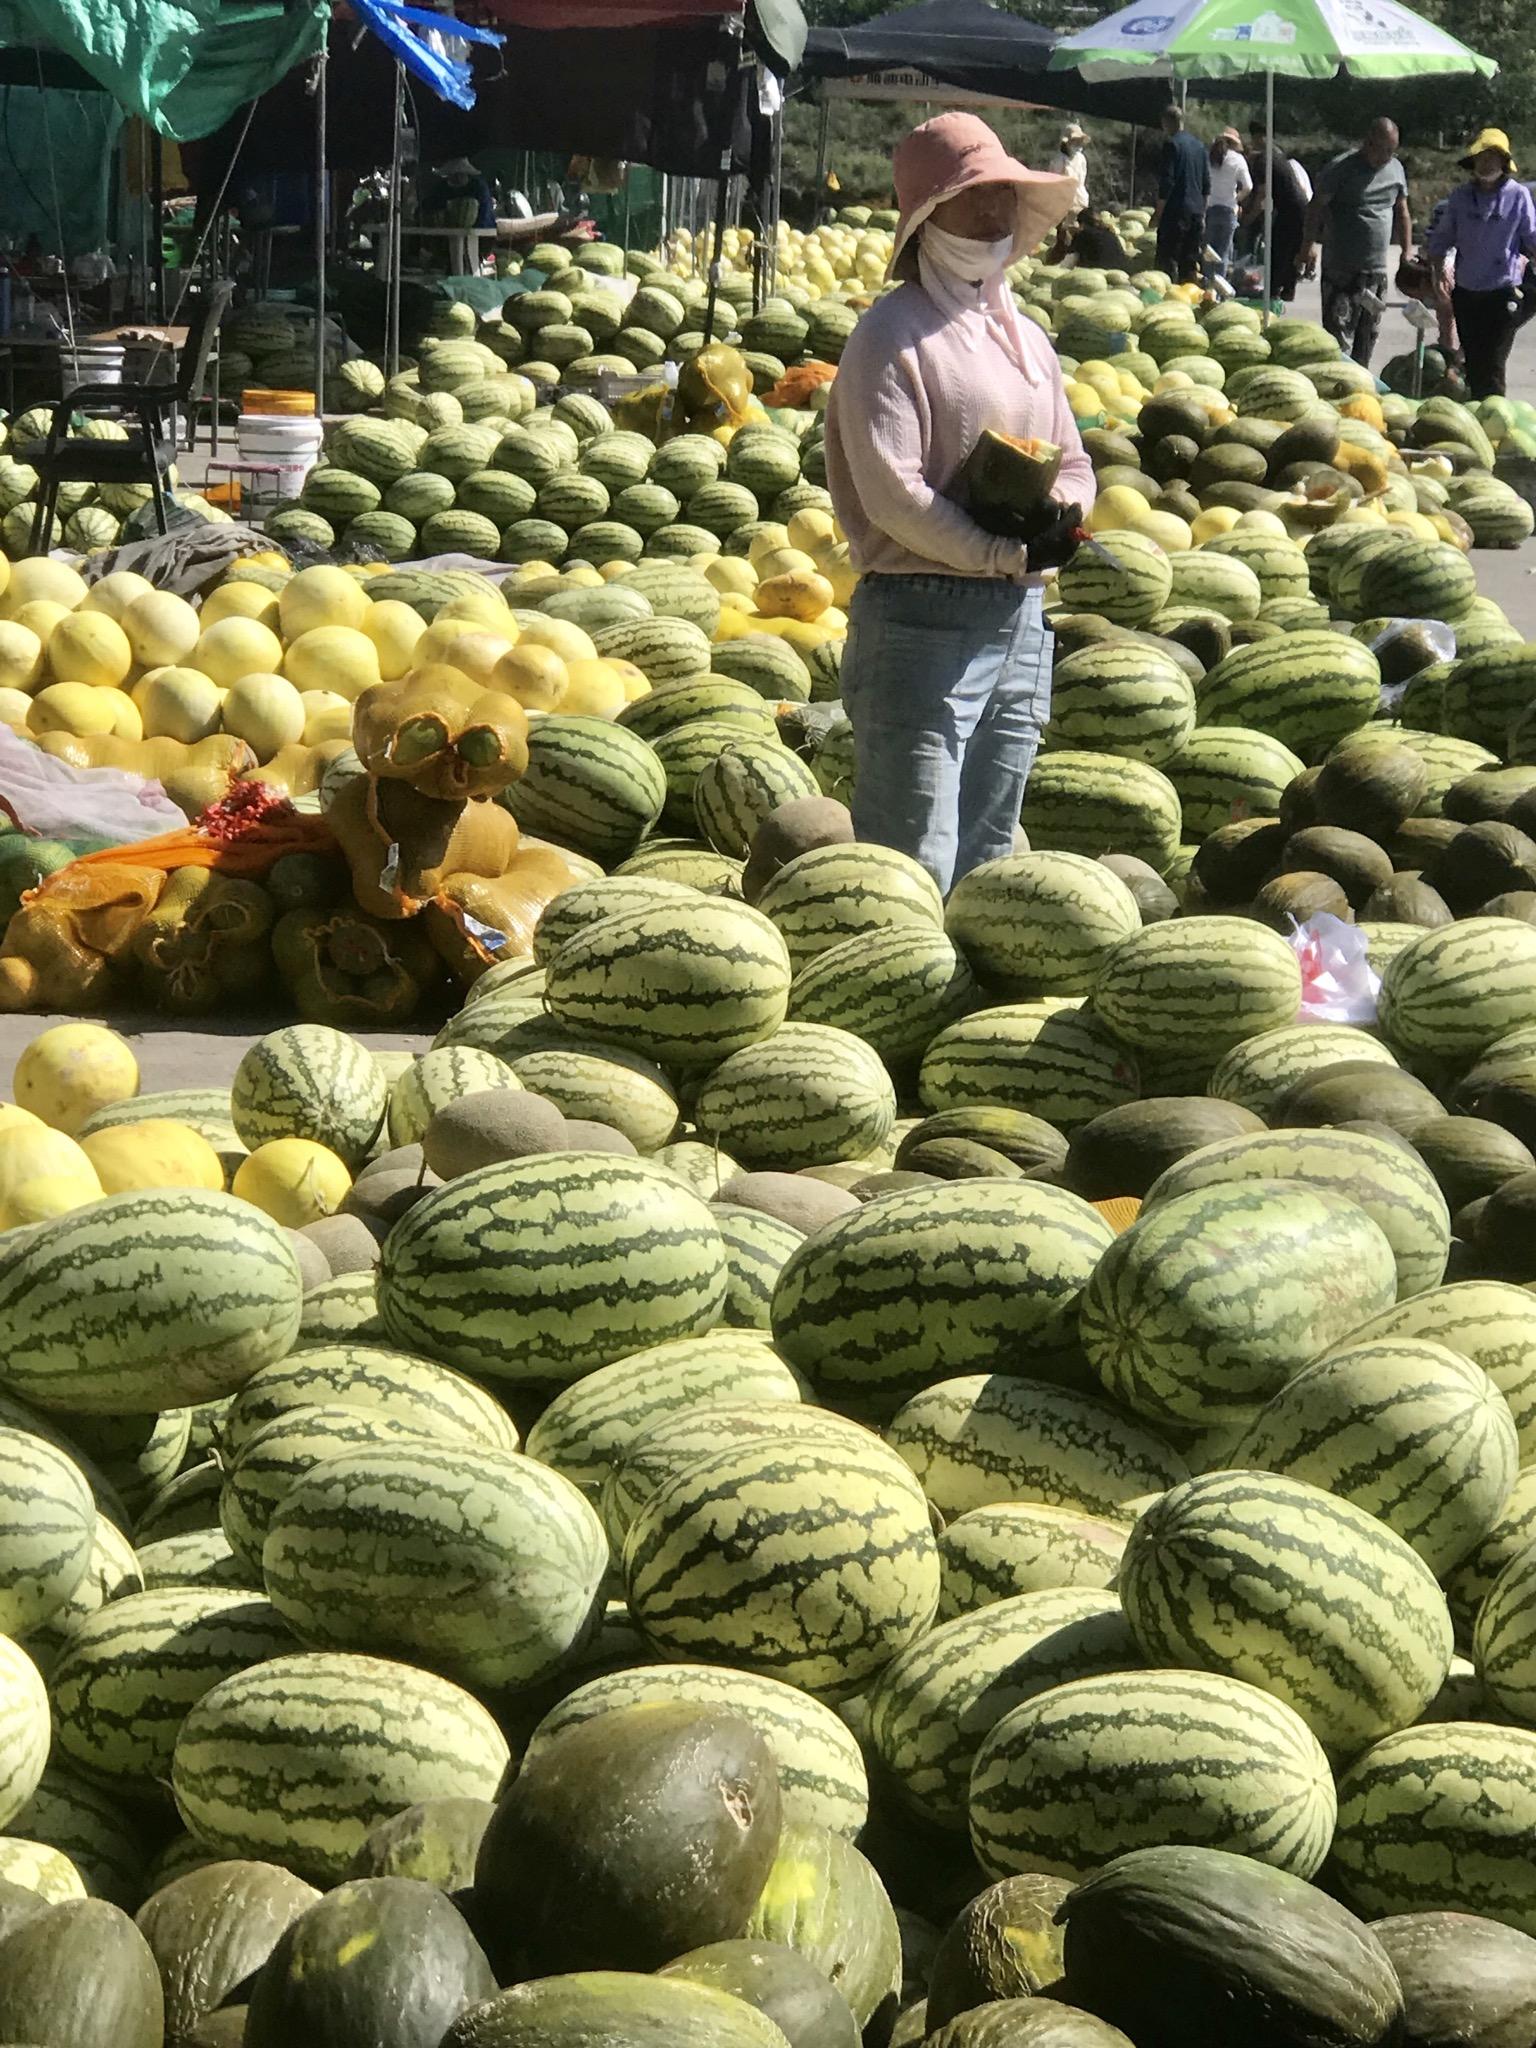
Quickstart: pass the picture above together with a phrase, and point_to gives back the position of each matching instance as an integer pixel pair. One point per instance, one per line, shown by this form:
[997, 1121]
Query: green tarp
[185, 65]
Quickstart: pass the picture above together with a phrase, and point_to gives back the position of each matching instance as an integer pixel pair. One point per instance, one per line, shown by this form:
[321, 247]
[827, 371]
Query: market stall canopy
[183, 65]
[1215, 39]
[971, 47]
[777, 27]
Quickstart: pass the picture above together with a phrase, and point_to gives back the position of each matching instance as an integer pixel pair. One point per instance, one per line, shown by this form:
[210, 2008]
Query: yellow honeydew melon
[535, 676]
[559, 636]
[158, 1152]
[322, 596]
[294, 1180]
[245, 601]
[327, 716]
[21, 656]
[178, 704]
[483, 607]
[66, 1074]
[396, 631]
[40, 577]
[339, 659]
[14, 707]
[162, 628]
[475, 654]
[73, 708]
[236, 647]
[40, 616]
[265, 711]
[114, 593]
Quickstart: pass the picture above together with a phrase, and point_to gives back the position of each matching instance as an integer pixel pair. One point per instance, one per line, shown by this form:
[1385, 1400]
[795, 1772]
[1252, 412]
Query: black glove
[1057, 542]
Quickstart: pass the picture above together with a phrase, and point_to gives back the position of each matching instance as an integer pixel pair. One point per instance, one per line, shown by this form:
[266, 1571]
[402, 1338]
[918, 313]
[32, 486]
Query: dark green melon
[17, 1907]
[780, 1982]
[1005, 1944]
[210, 1931]
[80, 1976]
[436, 1842]
[1026, 2023]
[1467, 1982]
[1122, 1151]
[613, 2009]
[222, 2029]
[824, 1898]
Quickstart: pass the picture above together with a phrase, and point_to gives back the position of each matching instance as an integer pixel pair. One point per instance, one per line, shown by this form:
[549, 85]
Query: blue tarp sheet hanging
[426, 57]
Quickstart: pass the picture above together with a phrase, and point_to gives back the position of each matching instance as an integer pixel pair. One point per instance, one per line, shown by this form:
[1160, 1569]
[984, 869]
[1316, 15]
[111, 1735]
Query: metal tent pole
[717, 250]
[157, 221]
[1269, 192]
[392, 229]
[322, 227]
[823, 145]
[1131, 197]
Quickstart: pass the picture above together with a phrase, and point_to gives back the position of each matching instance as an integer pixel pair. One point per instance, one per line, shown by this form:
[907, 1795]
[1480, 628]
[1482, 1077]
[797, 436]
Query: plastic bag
[1338, 984]
[98, 806]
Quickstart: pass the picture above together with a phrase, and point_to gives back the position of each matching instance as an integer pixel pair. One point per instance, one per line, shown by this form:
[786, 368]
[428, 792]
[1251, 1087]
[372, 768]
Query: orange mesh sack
[400, 845]
[66, 947]
[445, 735]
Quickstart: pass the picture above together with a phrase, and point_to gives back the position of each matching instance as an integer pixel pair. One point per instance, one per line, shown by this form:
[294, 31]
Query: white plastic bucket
[287, 446]
[91, 363]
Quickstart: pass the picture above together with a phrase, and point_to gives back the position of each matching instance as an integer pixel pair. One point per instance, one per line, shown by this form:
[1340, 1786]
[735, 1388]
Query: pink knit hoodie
[916, 387]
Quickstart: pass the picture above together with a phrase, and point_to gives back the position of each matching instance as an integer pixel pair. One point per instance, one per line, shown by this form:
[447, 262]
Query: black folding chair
[147, 410]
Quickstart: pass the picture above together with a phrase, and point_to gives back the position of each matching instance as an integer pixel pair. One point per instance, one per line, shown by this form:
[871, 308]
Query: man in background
[1359, 209]
[1183, 189]
[1071, 161]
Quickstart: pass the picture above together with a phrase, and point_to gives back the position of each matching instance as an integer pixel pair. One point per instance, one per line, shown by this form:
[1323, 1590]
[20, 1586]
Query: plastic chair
[147, 410]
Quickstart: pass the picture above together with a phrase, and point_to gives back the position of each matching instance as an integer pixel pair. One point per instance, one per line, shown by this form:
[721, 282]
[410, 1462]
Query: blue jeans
[1220, 228]
[947, 681]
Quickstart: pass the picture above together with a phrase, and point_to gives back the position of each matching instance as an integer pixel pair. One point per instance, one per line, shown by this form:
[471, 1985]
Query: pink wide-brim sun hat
[952, 152]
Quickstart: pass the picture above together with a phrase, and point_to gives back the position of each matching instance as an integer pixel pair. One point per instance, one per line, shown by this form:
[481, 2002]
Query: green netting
[56, 167]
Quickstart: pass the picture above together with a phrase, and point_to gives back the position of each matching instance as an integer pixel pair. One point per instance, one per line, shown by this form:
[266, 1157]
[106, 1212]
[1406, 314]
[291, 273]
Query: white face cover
[972, 262]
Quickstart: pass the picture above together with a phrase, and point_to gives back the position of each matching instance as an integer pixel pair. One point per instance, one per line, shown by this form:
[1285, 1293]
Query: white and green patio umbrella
[1214, 39]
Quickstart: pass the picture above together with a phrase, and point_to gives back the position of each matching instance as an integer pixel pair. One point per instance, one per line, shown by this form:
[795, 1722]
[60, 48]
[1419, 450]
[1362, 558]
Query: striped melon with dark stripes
[196, 1557]
[440, 1076]
[25, 1732]
[683, 752]
[830, 894]
[686, 987]
[1051, 1057]
[808, 1096]
[536, 1270]
[1040, 924]
[756, 1249]
[1119, 698]
[112, 1571]
[936, 1702]
[91, 1828]
[340, 1310]
[690, 861]
[1440, 1819]
[721, 699]
[1214, 582]
[588, 1427]
[735, 792]
[310, 1081]
[1390, 1183]
[47, 1528]
[1011, 1547]
[1223, 772]
[933, 1281]
[1205, 982]
[821, 1768]
[811, 1565]
[481, 1564]
[1214, 1300]
[1413, 1433]
[665, 650]
[1504, 1638]
[607, 1086]
[1097, 803]
[674, 591]
[993, 1437]
[1258, 1070]
[1107, 1764]
[1305, 689]
[1128, 583]
[419, 1391]
[296, 1759]
[124, 1685]
[1488, 1321]
[288, 1447]
[1267, 1579]
[589, 784]
[144, 1301]
[573, 910]
[1457, 990]
[896, 989]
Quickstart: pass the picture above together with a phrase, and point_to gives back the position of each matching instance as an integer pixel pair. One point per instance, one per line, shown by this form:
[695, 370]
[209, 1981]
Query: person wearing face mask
[946, 675]
[1489, 225]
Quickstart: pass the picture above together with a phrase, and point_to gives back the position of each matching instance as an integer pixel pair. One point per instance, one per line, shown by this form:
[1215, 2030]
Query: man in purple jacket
[1490, 224]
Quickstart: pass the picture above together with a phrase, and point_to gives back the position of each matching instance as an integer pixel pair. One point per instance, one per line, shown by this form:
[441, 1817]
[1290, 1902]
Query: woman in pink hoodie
[947, 671]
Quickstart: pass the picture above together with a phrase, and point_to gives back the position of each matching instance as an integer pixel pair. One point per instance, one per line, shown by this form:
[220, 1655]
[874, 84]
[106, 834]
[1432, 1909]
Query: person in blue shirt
[1489, 226]
[1183, 192]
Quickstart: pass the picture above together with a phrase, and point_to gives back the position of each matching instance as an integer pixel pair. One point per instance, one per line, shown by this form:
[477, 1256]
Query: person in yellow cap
[1489, 226]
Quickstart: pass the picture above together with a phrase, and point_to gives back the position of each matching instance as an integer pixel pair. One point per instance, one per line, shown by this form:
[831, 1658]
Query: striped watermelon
[589, 784]
[688, 861]
[1456, 990]
[414, 1391]
[814, 1566]
[112, 1572]
[24, 1730]
[664, 650]
[339, 1309]
[439, 1077]
[937, 1701]
[1504, 1639]
[1390, 1183]
[685, 987]
[1413, 1433]
[674, 591]
[1215, 1299]
[610, 1087]
[831, 894]
[1112, 1763]
[767, 664]
[1418, 580]
[1215, 583]
[296, 1759]
[197, 1557]
[145, 1301]
[588, 1427]
[1098, 803]
[720, 699]
[1267, 1579]
[505, 1022]
[1258, 1070]
[735, 792]
[895, 989]
[1486, 695]
[1118, 698]
[821, 1768]
[1305, 689]
[481, 1564]
[36, 1867]
[1439, 1819]
[1011, 1547]
[573, 910]
[1051, 1058]
[1040, 924]
[684, 751]
[1226, 772]
[1208, 982]
[1278, 563]
[704, 1168]
[1128, 583]
[92, 1830]
[933, 1281]
[310, 1081]
[537, 1270]
[990, 1438]
[1487, 1321]
[756, 1249]
[47, 1529]
[124, 1685]
[808, 1096]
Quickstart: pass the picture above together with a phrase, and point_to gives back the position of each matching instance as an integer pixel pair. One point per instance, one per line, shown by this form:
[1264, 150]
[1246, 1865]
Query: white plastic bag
[55, 801]
[1338, 984]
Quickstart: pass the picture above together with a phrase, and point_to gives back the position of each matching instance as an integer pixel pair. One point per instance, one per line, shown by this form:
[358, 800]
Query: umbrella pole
[1131, 195]
[717, 249]
[392, 230]
[1269, 193]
